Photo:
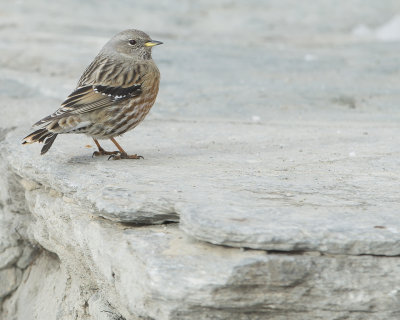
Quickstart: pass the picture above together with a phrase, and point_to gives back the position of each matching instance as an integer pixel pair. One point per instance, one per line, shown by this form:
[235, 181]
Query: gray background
[227, 59]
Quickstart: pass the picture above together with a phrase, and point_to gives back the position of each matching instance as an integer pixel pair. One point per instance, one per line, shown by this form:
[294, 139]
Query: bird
[114, 94]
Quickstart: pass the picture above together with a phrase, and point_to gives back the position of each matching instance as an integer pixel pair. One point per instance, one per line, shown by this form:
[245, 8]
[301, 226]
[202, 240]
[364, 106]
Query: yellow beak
[152, 43]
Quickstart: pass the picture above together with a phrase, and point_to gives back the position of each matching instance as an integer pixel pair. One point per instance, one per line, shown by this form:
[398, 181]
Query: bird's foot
[123, 155]
[103, 152]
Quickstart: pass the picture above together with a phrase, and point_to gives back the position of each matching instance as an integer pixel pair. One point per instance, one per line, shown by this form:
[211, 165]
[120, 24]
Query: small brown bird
[113, 95]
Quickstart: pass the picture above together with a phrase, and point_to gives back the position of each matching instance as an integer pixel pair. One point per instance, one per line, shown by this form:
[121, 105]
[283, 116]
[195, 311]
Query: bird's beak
[152, 43]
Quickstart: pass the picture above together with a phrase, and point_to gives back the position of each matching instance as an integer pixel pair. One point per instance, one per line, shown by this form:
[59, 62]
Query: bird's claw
[123, 155]
[112, 156]
[103, 153]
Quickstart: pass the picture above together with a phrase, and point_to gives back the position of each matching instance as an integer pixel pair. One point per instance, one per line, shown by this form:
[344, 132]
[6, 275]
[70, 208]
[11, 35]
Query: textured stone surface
[42, 295]
[28, 255]
[157, 272]
[9, 256]
[247, 188]
[273, 143]
[9, 280]
[100, 309]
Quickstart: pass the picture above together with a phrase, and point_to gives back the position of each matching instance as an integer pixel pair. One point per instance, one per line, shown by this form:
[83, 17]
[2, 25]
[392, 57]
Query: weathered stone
[100, 309]
[158, 272]
[9, 256]
[28, 255]
[42, 295]
[9, 280]
[261, 197]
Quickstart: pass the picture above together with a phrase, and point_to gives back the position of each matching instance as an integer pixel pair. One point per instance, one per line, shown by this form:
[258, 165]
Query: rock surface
[268, 194]
[270, 184]
[158, 272]
[9, 256]
[9, 280]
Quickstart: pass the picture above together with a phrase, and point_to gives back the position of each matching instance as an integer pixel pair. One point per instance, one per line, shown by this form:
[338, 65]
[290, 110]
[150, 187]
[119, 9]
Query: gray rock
[9, 280]
[158, 272]
[28, 255]
[354, 232]
[100, 309]
[9, 256]
[246, 189]
[42, 294]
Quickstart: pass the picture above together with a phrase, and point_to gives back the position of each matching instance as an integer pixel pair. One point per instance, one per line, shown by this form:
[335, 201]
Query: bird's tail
[39, 136]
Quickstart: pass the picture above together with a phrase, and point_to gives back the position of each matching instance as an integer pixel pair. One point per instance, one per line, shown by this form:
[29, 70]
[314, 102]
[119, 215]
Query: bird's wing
[92, 97]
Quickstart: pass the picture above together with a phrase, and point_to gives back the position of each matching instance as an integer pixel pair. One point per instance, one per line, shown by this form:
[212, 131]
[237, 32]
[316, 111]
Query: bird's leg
[122, 154]
[101, 151]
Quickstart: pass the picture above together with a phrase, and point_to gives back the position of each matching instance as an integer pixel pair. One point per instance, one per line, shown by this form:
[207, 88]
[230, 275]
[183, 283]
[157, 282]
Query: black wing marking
[119, 93]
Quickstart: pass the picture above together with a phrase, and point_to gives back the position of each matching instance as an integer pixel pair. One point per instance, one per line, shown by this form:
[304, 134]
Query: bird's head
[131, 43]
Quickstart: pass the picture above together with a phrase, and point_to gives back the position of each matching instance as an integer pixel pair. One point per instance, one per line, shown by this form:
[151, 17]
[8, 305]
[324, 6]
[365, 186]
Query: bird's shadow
[84, 159]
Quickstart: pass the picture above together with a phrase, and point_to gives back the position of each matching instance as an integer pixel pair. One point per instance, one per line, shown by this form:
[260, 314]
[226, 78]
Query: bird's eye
[132, 42]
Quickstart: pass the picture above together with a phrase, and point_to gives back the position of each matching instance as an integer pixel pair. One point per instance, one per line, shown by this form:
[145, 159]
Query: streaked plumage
[113, 95]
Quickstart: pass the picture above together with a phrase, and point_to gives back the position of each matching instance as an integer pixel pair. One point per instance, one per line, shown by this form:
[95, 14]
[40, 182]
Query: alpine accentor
[113, 95]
